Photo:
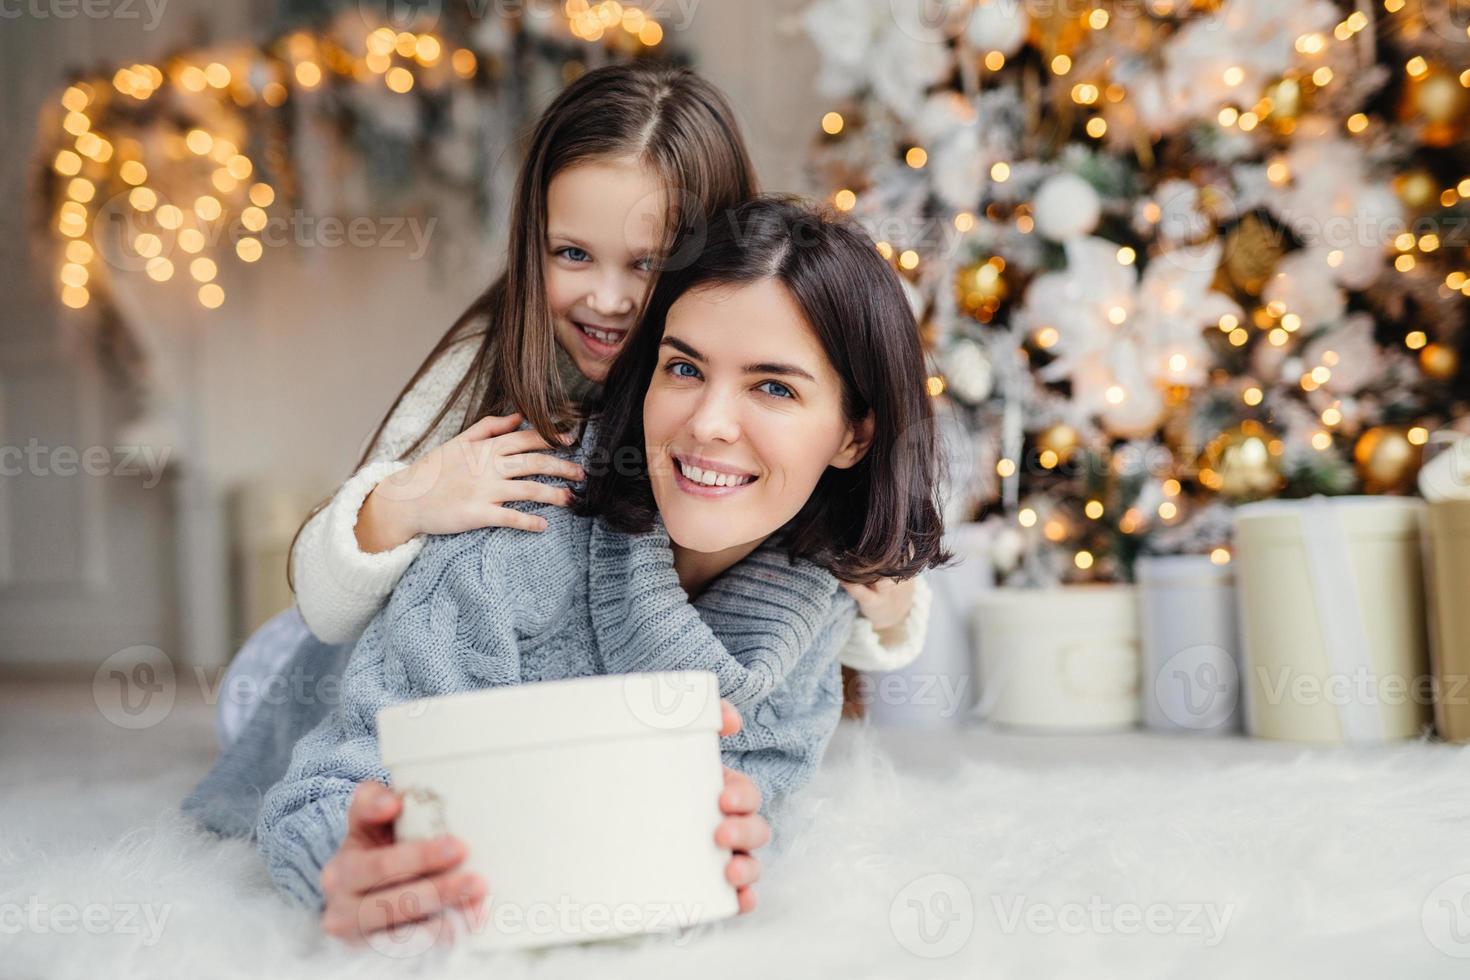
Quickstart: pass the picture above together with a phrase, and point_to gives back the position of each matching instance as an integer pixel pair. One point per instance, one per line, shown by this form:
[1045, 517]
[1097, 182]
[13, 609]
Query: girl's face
[742, 417]
[604, 222]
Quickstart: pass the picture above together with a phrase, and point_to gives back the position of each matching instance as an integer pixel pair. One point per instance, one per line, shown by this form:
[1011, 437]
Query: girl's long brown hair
[670, 119]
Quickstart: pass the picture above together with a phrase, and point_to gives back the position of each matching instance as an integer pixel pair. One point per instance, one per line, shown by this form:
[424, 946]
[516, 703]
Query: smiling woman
[776, 386]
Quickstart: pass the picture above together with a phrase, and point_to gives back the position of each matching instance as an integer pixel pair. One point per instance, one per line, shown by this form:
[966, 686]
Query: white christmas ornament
[1066, 206]
[968, 372]
[998, 25]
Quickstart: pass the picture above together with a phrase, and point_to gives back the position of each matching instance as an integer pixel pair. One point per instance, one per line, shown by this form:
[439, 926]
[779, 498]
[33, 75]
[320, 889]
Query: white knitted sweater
[340, 587]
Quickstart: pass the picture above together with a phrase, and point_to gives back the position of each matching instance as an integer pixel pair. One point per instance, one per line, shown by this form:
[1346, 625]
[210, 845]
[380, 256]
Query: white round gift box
[1059, 659]
[589, 805]
[1332, 618]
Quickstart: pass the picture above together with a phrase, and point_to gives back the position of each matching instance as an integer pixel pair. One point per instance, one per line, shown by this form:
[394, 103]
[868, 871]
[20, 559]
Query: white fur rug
[961, 855]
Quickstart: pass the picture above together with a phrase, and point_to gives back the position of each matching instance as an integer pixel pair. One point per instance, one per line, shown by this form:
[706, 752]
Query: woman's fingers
[743, 833]
[382, 867]
[740, 796]
[371, 813]
[729, 719]
[742, 871]
[401, 904]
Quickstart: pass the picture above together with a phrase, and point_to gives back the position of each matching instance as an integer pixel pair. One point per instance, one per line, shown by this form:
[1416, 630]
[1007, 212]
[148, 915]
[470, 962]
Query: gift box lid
[1359, 515]
[1086, 606]
[1181, 570]
[550, 713]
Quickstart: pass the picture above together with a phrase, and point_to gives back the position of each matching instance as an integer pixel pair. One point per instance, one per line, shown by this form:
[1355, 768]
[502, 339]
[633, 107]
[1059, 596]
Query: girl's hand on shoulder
[373, 883]
[465, 484]
[743, 830]
[885, 603]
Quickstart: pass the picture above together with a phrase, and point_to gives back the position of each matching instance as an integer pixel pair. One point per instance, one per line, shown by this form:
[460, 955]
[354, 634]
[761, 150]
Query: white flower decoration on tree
[1224, 59]
[1303, 283]
[1349, 352]
[1120, 339]
[843, 32]
[1333, 206]
[863, 44]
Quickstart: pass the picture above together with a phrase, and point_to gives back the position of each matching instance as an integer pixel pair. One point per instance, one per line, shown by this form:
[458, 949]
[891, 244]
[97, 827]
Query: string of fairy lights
[137, 187]
[1238, 464]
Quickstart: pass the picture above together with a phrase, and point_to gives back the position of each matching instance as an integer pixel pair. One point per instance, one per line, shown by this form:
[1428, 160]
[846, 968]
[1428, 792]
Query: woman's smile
[701, 477]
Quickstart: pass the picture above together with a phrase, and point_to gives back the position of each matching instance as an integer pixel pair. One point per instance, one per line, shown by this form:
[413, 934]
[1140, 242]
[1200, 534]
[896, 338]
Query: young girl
[666, 154]
[767, 431]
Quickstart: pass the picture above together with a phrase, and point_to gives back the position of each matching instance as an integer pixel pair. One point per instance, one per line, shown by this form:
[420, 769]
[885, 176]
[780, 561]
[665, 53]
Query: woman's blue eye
[573, 253]
[674, 370]
[780, 390]
[643, 265]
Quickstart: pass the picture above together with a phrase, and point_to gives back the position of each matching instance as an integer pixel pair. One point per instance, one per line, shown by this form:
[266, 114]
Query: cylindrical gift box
[1059, 659]
[1191, 645]
[1331, 594]
[589, 806]
[1448, 566]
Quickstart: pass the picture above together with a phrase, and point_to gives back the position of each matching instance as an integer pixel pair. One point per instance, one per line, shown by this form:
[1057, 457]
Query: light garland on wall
[171, 170]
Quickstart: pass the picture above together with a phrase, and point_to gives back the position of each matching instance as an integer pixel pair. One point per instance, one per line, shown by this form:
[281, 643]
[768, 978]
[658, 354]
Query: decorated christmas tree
[1168, 256]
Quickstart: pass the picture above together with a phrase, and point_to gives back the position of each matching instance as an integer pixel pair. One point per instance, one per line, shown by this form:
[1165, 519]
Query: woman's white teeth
[712, 479]
[601, 335]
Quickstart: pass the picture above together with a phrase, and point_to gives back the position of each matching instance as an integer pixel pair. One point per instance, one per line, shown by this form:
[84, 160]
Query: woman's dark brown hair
[669, 118]
[877, 519]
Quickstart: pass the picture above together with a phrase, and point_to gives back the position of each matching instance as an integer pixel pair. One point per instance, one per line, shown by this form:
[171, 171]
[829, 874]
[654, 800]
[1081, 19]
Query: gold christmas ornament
[1417, 189]
[980, 287]
[1387, 460]
[1284, 97]
[1243, 462]
[1438, 98]
[1251, 254]
[1439, 361]
[1060, 439]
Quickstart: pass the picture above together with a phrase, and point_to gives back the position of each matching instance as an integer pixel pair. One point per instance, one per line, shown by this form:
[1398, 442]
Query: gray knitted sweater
[490, 607]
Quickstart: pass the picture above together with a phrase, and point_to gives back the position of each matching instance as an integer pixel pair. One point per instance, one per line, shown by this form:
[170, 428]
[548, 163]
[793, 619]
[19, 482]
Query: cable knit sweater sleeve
[447, 628]
[340, 587]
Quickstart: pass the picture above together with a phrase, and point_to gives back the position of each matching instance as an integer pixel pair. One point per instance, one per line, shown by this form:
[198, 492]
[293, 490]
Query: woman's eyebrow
[763, 367]
[568, 238]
